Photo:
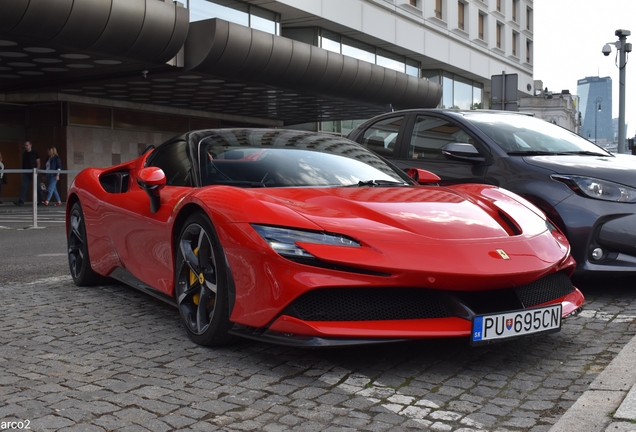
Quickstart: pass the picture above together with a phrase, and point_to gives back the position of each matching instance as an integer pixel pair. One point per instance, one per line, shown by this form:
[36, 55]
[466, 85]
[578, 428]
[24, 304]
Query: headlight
[599, 189]
[283, 240]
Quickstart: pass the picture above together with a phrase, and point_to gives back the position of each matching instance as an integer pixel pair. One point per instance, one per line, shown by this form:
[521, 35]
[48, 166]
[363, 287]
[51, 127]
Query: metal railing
[35, 172]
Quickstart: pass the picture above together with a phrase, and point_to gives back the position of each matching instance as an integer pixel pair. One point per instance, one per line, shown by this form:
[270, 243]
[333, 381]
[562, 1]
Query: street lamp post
[623, 48]
[598, 102]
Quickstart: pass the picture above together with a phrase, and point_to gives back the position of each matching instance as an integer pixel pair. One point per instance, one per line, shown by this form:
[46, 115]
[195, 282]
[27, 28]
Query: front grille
[368, 304]
[543, 290]
[377, 304]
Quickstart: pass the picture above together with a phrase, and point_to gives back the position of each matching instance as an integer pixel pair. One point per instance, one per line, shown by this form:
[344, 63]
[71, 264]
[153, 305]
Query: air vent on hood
[508, 224]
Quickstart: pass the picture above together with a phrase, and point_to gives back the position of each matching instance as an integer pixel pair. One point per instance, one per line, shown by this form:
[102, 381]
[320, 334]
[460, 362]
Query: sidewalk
[609, 404]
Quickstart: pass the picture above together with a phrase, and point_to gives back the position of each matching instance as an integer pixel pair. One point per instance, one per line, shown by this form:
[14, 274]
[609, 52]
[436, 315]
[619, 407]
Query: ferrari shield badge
[502, 253]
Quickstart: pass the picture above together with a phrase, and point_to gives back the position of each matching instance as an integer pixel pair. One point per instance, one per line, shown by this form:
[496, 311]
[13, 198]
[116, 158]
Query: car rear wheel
[201, 283]
[78, 261]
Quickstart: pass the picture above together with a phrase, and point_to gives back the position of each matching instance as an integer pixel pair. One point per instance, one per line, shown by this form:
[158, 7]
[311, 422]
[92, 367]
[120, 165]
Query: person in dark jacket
[30, 160]
[53, 163]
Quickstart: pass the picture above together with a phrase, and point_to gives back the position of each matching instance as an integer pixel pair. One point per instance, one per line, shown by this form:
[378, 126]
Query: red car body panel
[438, 238]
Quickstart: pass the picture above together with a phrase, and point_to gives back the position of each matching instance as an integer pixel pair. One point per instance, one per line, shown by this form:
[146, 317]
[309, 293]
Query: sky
[568, 38]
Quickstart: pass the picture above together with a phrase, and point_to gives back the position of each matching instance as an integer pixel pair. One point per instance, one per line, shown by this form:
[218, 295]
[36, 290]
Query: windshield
[521, 134]
[283, 158]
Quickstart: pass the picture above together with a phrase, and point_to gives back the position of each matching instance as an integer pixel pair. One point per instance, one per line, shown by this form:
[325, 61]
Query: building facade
[102, 79]
[561, 108]
[596, 109]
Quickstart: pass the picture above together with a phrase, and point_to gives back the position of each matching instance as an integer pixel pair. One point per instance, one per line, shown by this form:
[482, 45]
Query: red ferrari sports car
[309, 239]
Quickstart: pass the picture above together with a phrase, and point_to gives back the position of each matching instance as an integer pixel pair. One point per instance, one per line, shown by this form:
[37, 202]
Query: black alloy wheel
[78, 261]
[201, 283]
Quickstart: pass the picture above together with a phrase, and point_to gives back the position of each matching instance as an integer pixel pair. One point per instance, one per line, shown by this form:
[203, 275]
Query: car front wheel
[201, 283]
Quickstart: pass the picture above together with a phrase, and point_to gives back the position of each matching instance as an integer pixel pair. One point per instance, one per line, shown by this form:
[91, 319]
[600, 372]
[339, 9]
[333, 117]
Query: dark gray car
[589, 193]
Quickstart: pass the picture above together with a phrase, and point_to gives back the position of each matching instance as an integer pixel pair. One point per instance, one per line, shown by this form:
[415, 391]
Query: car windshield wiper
[584, 153]
[554, 153]
[372, 183]
[531, 153]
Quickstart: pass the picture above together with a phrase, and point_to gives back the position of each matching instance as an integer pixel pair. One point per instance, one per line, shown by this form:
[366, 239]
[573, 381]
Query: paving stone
[107, 378]
[307, 393]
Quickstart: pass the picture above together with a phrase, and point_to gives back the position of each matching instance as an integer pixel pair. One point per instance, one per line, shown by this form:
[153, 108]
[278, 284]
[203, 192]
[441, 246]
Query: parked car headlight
[599, 189]
[283, 240]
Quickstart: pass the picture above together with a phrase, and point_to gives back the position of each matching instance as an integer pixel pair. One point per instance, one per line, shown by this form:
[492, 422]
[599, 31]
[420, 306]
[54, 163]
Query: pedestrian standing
[3, 179]
[53, 162]
[30, 160]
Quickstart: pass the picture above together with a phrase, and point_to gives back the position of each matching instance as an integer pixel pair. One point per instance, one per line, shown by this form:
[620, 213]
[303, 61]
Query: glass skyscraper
[595, 92]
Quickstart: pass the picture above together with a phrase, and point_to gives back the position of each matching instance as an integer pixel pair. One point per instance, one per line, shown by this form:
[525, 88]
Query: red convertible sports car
[309, 239]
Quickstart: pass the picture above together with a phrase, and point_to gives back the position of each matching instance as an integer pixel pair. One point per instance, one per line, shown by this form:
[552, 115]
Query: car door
[144, 239]
[424, 137]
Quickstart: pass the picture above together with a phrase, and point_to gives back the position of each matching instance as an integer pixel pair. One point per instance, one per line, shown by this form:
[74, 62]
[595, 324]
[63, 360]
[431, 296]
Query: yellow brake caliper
[194, 278]
[201, 279]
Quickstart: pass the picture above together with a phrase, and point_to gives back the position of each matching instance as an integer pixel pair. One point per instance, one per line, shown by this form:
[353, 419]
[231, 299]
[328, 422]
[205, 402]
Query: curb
[609, 399]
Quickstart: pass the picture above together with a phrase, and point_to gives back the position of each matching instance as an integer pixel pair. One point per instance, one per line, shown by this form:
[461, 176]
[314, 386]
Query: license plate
[493, 327]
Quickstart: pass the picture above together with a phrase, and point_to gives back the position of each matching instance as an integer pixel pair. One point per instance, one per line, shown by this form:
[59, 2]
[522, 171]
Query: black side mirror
[152, 180]
[462, 152]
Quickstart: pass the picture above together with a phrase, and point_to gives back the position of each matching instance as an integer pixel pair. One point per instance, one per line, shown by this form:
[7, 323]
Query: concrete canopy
[146, 52]
[229, 50]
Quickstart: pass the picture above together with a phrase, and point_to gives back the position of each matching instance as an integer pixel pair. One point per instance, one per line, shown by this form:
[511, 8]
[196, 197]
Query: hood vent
[508, 224]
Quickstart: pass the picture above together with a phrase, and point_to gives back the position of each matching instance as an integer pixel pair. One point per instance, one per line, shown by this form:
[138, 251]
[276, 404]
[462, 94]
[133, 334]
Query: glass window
[330, 41]
[462, 93]
[331, 126]
[390, 60]
[447, 91]
[521, 133]
[515, 9]
[306, 35]
[499, 35]
[358, 50]
[432, 75]
[203, 9]
[89, 115]
[174, 159]
[262, 24]
[515, 44]
[480, 25]
[478, 95]
[284, 158]
[238, 13]
[529, 19]
[349, 125]
[528, 51]
[460, 15]
[438, 9]
[412, 68]
[431, 134]
[382, 136]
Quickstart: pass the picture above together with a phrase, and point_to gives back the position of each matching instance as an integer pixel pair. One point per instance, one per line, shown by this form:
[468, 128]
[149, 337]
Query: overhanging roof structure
[146, 52]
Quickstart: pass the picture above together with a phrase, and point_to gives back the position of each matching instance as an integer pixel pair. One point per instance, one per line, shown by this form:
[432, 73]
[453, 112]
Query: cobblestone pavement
[112, 359]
